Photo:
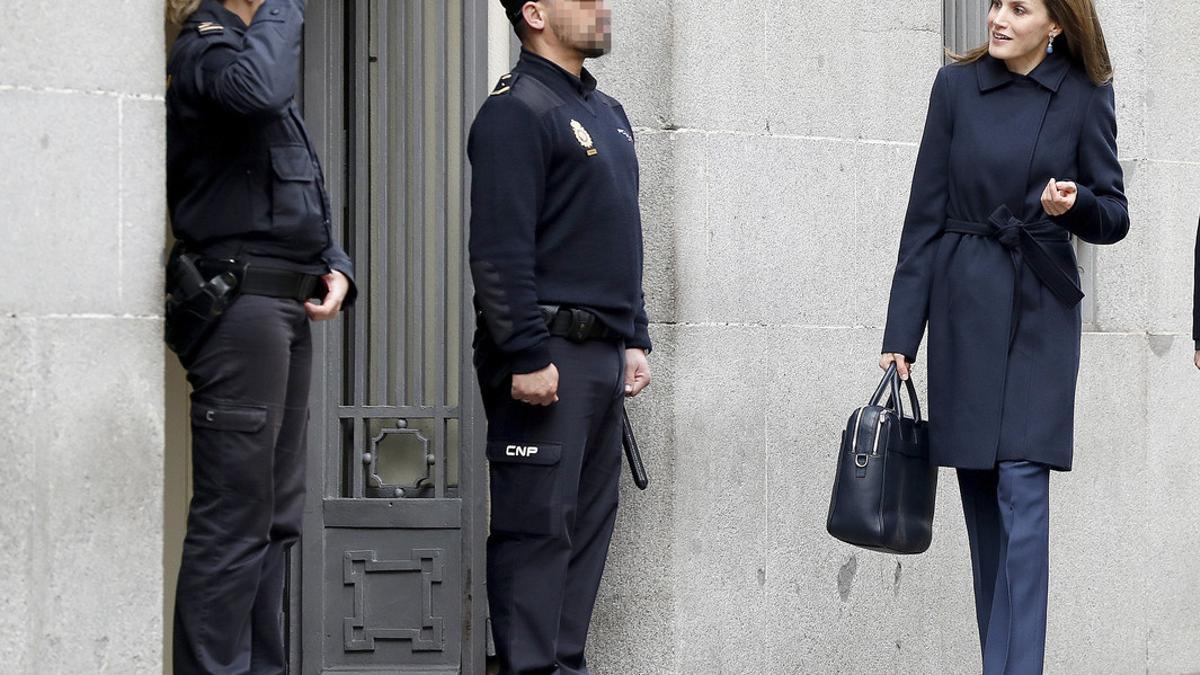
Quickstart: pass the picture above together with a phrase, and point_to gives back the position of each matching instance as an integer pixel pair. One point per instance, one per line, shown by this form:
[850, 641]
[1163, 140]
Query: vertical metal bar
[356, 470]
[418, 197]
[437, 204]
[377, 348]
[435, 272]
[949, 12]
[474, 27]
[439, 454]
[393, 147]
[361, 212]
[444, 305]
[321, 44]
[398, 86]
[454, 235]
[451, 199]
[411, 220]
[964, 24]
[361, 164]
[381, 168]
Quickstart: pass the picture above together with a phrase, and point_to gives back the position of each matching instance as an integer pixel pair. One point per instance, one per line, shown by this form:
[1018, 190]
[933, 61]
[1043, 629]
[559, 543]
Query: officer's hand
[1059, 196]
[902, 365]
[1198, 358]
[539, 388]
[637, 372]
[338, 286]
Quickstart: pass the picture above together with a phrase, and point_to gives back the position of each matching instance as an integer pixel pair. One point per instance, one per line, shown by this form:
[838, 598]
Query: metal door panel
[388, 577]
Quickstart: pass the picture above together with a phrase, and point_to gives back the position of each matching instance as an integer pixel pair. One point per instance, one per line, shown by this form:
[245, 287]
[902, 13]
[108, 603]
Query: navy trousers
[554, 481]
[1007, 510]
[250, 384]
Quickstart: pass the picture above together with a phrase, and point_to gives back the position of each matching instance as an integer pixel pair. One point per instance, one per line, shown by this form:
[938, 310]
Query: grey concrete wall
[777, 139]
[81, 380]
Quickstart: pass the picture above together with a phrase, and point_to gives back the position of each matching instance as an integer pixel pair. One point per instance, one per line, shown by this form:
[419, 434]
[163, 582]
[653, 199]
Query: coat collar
[551, 72]
[1050, 73]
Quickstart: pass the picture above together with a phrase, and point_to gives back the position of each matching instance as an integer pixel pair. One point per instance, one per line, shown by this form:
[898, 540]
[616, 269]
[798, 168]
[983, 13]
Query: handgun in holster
[194, 304]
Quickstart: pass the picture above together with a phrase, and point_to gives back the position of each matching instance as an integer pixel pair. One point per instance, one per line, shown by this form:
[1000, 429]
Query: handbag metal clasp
[861, 460]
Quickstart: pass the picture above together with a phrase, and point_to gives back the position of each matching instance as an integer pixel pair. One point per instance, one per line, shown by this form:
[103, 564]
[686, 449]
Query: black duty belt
[268, 281]
[576, 325]
[1024, 243]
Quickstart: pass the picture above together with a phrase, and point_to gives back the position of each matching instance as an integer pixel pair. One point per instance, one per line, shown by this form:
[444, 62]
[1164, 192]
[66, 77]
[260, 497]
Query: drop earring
[1050, 47]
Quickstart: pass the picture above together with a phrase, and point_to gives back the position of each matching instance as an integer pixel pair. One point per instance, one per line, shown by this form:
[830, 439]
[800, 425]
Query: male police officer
[556, 256]
[248, 204]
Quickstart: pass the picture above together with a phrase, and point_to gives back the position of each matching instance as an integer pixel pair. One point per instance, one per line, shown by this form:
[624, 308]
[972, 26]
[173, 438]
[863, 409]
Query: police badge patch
[584, 138]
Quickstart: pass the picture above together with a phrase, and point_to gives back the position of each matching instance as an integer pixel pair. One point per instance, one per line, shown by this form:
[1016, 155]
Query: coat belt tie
[1024, 243]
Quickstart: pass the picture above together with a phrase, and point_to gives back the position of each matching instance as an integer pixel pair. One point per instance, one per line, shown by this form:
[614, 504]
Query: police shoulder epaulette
[607, 100]
[505, 84]
[210, 28]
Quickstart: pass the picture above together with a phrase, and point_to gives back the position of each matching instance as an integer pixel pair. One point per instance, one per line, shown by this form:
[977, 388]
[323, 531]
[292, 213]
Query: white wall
[81, 390]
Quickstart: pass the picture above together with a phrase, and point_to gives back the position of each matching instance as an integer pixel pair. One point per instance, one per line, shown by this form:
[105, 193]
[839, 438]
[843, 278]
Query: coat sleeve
[641, 328]
[641, 321]
[263, 77]
[1101, 212]
[908, 309]
[336, 258]
[508, 150]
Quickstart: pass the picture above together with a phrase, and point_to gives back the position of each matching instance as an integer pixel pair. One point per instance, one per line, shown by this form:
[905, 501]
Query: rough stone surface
[83, 46]
[81, 426]
[773, 198]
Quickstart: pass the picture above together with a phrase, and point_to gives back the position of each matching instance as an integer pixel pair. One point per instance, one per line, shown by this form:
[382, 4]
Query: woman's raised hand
[1059, 196]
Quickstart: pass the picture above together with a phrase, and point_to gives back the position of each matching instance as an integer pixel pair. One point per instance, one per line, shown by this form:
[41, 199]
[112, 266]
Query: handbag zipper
[857, 420]
[878, 430]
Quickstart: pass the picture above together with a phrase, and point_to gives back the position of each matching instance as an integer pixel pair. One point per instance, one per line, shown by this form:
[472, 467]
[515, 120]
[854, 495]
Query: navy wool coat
[991, 273]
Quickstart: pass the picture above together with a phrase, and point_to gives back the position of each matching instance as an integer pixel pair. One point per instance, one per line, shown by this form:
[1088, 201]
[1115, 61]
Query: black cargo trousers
[249, 417]
[554, 482]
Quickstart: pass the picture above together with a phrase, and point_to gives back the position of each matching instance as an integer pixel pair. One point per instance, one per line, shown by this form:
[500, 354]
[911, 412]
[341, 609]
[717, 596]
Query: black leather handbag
[883, 496]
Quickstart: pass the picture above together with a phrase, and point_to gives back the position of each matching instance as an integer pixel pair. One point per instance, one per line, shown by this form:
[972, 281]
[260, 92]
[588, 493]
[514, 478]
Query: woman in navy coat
[1019, 153]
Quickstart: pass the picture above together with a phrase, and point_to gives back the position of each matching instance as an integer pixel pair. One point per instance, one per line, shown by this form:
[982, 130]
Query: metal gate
[389, 576]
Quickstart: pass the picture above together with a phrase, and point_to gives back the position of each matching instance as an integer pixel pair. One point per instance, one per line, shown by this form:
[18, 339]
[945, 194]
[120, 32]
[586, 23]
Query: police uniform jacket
[994, 276]
[554, 210]
[243, 179]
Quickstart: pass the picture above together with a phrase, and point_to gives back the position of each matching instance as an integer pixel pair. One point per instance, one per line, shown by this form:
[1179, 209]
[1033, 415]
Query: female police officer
[1019, 153]
[249, 207]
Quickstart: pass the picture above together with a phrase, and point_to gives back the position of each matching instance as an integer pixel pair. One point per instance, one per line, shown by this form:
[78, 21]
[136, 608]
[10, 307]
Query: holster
[194, 304]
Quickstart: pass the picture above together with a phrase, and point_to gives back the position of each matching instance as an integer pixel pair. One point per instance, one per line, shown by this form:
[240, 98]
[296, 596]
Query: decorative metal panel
[395, 515]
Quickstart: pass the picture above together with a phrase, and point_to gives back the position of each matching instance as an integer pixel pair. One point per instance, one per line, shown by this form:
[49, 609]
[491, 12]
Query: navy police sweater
[554, 210]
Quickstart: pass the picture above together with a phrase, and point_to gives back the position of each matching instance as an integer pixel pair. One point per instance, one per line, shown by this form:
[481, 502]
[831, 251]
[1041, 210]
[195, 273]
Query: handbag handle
[892, 378]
